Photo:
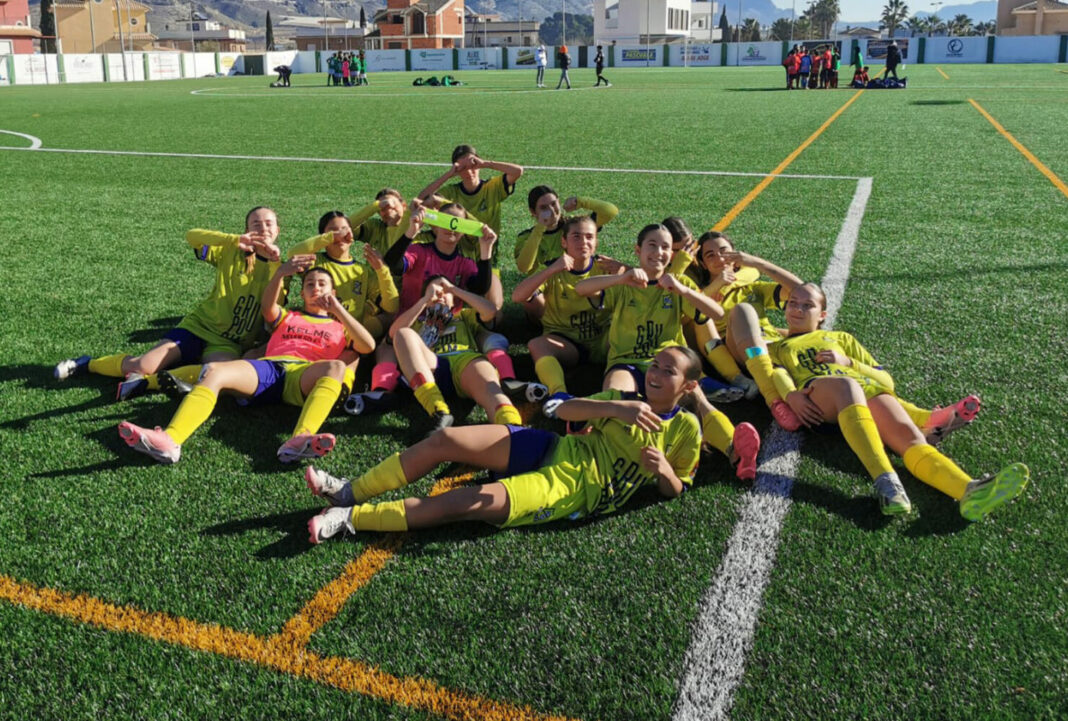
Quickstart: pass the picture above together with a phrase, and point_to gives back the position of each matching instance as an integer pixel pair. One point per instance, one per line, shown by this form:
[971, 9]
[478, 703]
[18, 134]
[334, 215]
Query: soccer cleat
[442, 420]
[71, 367]
[746, 443]
[306, 445]
[719, 392]
[155, 443]
[985, 494]
[533, 392]
[891, 494]
[784, 415]
[370, 402]
[747, 384]
[553, 402]
[337, 491]
[944, 421]
[135, 385]
[172, 385]
[330, 522]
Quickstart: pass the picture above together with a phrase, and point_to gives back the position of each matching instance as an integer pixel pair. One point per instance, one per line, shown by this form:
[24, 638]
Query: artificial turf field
[131, 590]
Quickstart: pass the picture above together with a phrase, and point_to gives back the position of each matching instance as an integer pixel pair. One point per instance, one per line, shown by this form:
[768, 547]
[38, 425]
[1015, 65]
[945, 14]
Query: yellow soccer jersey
[761, 295]
[616, 448]
[549, 247]
[232, 310]
[645, 320]
[797, 354]
[362, 291]
[569, 314]
[459, 336]
[369, 228]
[484, 205]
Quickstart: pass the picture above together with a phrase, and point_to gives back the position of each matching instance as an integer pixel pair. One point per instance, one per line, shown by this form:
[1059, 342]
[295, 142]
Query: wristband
[754, 352]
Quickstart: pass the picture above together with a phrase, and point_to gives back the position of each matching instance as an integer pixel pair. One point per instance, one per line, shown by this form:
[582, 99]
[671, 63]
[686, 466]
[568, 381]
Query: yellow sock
[722, 360]
[109, 365]
[349, 381]
[551, 373]
[317, 405]
[929, 465]
[430, 398]
[717, 431]
[387, 516]
[386, 476]
[784, 384]
[189, 374]
[761, 369]
[191, 414]
[919, 416]
[508, 414]
[862, 435]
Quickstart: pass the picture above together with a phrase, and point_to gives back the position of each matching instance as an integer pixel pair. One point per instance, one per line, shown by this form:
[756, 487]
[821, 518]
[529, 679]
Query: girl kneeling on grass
[634, 442]
[223, 325]
[841, 383]
[301, 367]
[435, 342]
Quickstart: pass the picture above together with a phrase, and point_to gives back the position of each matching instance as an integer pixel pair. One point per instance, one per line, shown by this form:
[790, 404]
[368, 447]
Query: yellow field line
[742, 204]
[345, 674]
[941, 73]
[328, 601]
[1057, 182]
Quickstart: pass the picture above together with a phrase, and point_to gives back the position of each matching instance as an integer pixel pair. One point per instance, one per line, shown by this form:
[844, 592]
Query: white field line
[36, 147]
[282, 92]
[726, 622]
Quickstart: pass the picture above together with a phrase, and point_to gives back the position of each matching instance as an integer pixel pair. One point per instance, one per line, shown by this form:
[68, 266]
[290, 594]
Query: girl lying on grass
[222, 326]
[635, 441]
[840, 382]
[302, 367]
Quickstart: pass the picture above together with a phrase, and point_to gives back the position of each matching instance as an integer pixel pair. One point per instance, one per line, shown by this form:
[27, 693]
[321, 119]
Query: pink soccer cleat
[155, 443]
[306, 445]
[784, 415]
[944, 421]
[746, 444]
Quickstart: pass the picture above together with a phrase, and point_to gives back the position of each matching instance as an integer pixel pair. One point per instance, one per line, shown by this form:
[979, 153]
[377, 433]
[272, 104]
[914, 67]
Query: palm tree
[750, 30]
[960, 25]
[916, 24]
[780, 29]
[934, 25]
[823, 14]
[894, 14]
[803, 28]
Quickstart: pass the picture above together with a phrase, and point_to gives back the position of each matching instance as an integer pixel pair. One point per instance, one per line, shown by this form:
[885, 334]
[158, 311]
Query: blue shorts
[189, 344]
[272, 381]
[635, 372]
[443, 377]
[529, 449]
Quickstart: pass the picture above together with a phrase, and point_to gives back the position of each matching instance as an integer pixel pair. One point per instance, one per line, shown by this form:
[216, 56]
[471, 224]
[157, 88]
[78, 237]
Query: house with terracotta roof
[410, 24]
[1032, 17]
[96, 26]
[16, 34]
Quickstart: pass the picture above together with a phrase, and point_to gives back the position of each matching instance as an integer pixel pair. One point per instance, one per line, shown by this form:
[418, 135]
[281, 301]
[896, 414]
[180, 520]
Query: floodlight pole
[793, 20]
[648, 11]
[563, 22]
[92, 28]
[193, 37]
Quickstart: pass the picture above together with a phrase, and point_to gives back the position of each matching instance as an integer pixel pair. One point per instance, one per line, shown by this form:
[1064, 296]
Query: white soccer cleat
[337, 491]
[893, 501]
[330, 522]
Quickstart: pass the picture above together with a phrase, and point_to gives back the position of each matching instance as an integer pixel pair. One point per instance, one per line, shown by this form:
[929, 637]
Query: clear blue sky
[854, 10]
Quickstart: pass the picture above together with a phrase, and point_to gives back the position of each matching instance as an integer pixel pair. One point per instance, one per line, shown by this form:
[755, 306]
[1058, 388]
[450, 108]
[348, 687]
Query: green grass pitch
[957, 286]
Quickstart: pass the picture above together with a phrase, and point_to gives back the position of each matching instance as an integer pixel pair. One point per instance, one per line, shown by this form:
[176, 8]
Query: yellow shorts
[870, 387]
[551, 493]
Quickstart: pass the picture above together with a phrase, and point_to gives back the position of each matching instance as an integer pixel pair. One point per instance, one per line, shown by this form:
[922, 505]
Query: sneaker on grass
[893, 500]
[532, 392]
[152, 442]
[337, 491]
[71, 367]
[135, 385]
[333, 521]
[306, 445]
[985, 494]
[944, 421]
[370, 402]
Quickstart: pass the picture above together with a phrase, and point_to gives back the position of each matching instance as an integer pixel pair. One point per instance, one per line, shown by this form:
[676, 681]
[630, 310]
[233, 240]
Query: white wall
[231, 63]
[1027, 49]
[751, 54]
[431, 59]
[479, 59]
[36, 69]
[955, 50]
[164, 66]
[304, 62]
[384, 60]
[135, 67]
[694, 55]
[84, 68]
[282, 57]
[205, 65]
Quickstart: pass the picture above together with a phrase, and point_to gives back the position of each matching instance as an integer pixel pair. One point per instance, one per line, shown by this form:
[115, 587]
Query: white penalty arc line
[726, 622]
[35, 142]
[412, 163]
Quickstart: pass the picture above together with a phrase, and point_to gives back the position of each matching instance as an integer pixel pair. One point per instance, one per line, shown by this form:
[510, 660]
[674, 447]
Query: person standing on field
[541, 58]
[564, 61]
[599, 64]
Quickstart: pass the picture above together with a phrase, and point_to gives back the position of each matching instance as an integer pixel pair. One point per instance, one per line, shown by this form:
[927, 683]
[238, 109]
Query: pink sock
[384, 377]
[502, 362]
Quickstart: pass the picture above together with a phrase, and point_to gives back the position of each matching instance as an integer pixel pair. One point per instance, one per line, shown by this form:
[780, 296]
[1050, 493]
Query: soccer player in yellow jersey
[743, 333]
[648, 306]
[435, 342]
[223, 325]
[840, 382]
[302, 367]
[381, 223]
[634, 442]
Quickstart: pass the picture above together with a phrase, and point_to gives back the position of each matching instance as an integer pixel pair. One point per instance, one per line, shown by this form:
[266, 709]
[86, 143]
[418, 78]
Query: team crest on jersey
[357, 287]
[667, 302]
[482, 207]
